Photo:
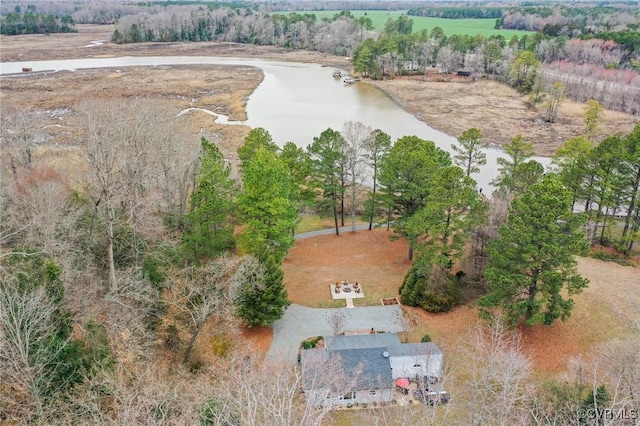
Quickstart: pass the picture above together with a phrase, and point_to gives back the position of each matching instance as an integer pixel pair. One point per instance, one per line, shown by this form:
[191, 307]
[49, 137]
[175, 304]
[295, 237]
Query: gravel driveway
[300, 322]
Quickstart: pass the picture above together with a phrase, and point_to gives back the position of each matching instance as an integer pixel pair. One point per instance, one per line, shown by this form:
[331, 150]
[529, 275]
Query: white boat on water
[348, 80]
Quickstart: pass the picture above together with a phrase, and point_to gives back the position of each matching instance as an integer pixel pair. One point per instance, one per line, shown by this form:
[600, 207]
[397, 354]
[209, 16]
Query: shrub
[215, 412]
[426, 338]
[220, 346]
[195, 366]
[434, 302]
[610, 257]
[311, 342]
[431, 287]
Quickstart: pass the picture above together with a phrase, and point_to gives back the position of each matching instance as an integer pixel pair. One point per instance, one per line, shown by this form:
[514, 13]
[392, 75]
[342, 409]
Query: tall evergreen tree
[208, 229]
[451, 210]
[376, 149]
[266, 206]
[570, 159]
[299, 164]
[256, 139]
[470, 154]
[630, 168]
[326, 153]
[605, 184]
[518, 150]
[532, 262]
[260, 306]
[406, 175]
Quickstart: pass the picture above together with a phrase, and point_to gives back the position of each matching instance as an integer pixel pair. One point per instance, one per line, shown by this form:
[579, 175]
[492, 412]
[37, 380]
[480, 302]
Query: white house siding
[322, 398]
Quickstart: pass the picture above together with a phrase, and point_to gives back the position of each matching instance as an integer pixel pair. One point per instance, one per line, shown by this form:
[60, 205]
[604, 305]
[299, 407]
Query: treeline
[571, 20]
[593, 68]
[35, 23]
[398, 50]
[523, 241]
[605, 180]
[457, 12]
[337, 36]
[82, 11]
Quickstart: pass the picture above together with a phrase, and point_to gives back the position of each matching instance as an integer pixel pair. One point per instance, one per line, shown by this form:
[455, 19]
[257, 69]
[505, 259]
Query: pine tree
[208, 229]
[256, 139]
[470, 154]
[260, 306]
[266, 207]
[326, 153]
[532, 262]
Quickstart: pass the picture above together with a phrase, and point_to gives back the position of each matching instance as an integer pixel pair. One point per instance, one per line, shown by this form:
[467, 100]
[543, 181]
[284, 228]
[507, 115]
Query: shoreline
[444, 102]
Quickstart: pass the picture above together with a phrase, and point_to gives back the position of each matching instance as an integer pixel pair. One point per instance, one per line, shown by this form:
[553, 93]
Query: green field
[450, 26]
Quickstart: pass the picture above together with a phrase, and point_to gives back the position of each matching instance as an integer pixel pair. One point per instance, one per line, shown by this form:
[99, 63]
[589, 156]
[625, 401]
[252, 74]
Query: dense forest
[31, 22]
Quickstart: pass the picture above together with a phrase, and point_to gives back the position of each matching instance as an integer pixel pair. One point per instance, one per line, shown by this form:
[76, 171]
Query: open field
[453, 105]
[450, 26]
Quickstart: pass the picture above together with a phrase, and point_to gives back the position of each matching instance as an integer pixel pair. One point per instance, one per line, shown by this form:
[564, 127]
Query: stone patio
[346, 290]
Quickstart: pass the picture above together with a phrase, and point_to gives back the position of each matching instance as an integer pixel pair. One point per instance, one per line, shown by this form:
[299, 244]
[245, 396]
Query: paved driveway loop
[300, 322]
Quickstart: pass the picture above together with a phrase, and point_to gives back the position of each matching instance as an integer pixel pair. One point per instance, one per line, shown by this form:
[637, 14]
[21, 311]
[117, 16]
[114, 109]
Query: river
[295, 101]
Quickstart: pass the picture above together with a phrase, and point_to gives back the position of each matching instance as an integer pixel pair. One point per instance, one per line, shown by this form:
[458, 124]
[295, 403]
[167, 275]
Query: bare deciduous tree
[136, 169]
[355, 135]
[28, 349]
[212, 290]
[499, 389]
[41, 210]
[21, 134]
[337, 319]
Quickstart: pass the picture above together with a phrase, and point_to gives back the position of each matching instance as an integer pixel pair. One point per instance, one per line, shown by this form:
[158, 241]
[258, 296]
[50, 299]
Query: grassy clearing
[312, 222]
[450, 26]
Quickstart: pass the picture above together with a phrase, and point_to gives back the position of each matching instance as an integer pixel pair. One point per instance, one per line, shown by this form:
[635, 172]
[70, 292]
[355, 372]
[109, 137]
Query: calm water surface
[296, 101]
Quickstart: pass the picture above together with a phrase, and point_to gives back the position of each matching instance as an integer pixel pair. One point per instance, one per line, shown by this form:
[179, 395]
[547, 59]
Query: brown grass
[498, 111]
[67, 46]
[602, 312]
[368, 257]
[220, 89]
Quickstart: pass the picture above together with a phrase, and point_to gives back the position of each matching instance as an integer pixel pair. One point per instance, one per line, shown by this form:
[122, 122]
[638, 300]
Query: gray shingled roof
[371, 368]
[413, 349]
[360, 357]
[360, 341]
[389, 340]
[367, 367]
